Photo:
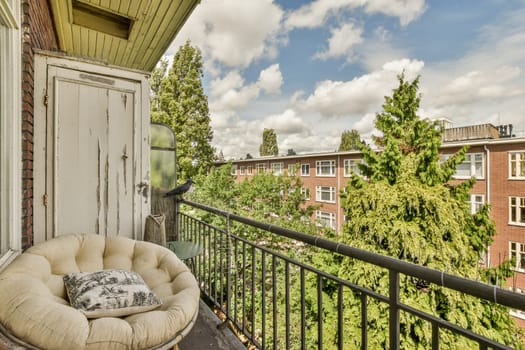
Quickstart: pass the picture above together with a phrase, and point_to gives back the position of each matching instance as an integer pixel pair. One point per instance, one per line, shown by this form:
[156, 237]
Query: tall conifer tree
[406, 207]
[269, 146]
[183, 105]
[350, 140]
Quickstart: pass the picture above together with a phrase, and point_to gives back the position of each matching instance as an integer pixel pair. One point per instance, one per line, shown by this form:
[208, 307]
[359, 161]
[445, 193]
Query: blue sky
[311, 69]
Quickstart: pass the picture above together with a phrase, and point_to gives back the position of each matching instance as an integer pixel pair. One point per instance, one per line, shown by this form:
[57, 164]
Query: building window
[260, 168]
[277, 168]
[351, 165]
[471, 166]
[292, 169]
[517, 252]
[241, 170]
[325, 219]
[476, 201]
[305, 191]
[325, 168]
[325, 194]
[516, 312]
[517, 210]
[234, 170]
[10, 130]
[517, 165]
[305, 169]
[249, 170]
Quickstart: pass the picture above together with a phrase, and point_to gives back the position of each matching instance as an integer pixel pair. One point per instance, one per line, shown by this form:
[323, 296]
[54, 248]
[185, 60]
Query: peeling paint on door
[124, 167]
[97, 156]
[99, 204]
[117, 196]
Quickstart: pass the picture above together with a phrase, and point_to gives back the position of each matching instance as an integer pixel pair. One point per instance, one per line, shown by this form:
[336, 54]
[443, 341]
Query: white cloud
[359, 95]
[316, 13]
[365, 125]
[232, 80]
[485, 85]
[476, 85]
[378, 49]
[231, 32]
[406, 10]
[410, 67]
[286, 123]
[230, 93]
[342, 42]
[235, 99]
[271, 79]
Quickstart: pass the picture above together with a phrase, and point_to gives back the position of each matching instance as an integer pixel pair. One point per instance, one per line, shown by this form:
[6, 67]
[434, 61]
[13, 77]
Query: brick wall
[311, 181]
[38, 33]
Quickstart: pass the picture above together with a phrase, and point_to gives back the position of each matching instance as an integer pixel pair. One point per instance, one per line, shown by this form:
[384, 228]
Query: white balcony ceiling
[126, 33]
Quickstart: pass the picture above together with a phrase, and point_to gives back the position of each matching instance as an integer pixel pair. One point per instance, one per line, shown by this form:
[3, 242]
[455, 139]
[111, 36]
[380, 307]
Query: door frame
[45, 59]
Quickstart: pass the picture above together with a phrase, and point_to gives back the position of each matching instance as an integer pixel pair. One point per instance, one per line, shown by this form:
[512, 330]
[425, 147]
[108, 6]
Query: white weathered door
[96, 179]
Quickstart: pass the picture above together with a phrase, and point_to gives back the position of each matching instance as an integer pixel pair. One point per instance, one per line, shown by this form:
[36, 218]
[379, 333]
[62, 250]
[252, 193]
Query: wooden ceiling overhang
[127, 33]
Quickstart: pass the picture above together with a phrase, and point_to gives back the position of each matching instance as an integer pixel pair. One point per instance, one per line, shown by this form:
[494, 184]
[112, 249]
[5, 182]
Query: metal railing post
[228, 267]
[393, 309]
[222, 283]
[177, 219]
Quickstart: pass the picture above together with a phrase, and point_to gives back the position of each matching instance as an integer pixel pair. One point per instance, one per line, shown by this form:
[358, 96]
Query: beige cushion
[35, 308]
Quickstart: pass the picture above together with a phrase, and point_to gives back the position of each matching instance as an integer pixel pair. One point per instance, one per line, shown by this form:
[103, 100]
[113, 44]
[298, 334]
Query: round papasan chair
[35, 311]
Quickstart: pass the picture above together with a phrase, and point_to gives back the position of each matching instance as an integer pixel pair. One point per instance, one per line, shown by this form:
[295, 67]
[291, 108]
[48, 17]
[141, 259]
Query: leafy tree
[180, 102]
[157, 76]
[217, 188]
[408, 209]
[350, 140]
[269, 143]
[263, 197]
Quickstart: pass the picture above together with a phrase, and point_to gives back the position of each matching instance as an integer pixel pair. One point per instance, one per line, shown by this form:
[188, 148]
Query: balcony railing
[277, 302]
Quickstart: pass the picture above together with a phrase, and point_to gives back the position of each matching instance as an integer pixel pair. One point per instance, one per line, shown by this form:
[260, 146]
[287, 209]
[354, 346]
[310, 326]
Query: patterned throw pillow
[109, 293]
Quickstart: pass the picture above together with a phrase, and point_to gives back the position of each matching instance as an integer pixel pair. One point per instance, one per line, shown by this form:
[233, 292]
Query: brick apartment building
[495, 157]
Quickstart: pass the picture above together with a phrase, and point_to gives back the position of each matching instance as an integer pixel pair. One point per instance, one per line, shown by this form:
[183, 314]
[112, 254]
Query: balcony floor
[206, 335]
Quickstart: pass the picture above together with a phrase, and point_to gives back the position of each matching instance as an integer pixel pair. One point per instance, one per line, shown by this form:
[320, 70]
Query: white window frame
[260, 168]
[10, 131]
[305, 191]
[515, 312]
[325, 219]
[476, 201]
[351, 164]
[305, 169]
[320, 190]
[233, 170]
[517, 249]
[519, 203]
[277, 168]
[322, 164]
[470, 159]
[241, 170]
[519, 158]
[249, 170]
[292, 169]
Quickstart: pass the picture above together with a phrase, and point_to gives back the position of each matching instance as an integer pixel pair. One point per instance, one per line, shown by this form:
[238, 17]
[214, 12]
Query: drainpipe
[487, 180]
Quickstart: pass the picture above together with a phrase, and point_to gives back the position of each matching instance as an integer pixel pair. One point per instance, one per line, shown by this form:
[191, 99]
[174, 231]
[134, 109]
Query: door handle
[143, 188]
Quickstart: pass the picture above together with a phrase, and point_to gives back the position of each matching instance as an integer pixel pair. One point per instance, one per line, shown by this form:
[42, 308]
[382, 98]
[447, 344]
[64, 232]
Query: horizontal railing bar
[309, 268]
[427, 317]
[453, 327]
[478, 289]
[433, 319]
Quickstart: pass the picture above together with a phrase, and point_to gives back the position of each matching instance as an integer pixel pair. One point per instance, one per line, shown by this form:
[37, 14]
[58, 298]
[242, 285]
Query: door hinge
[46, 98]
[44, 200]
